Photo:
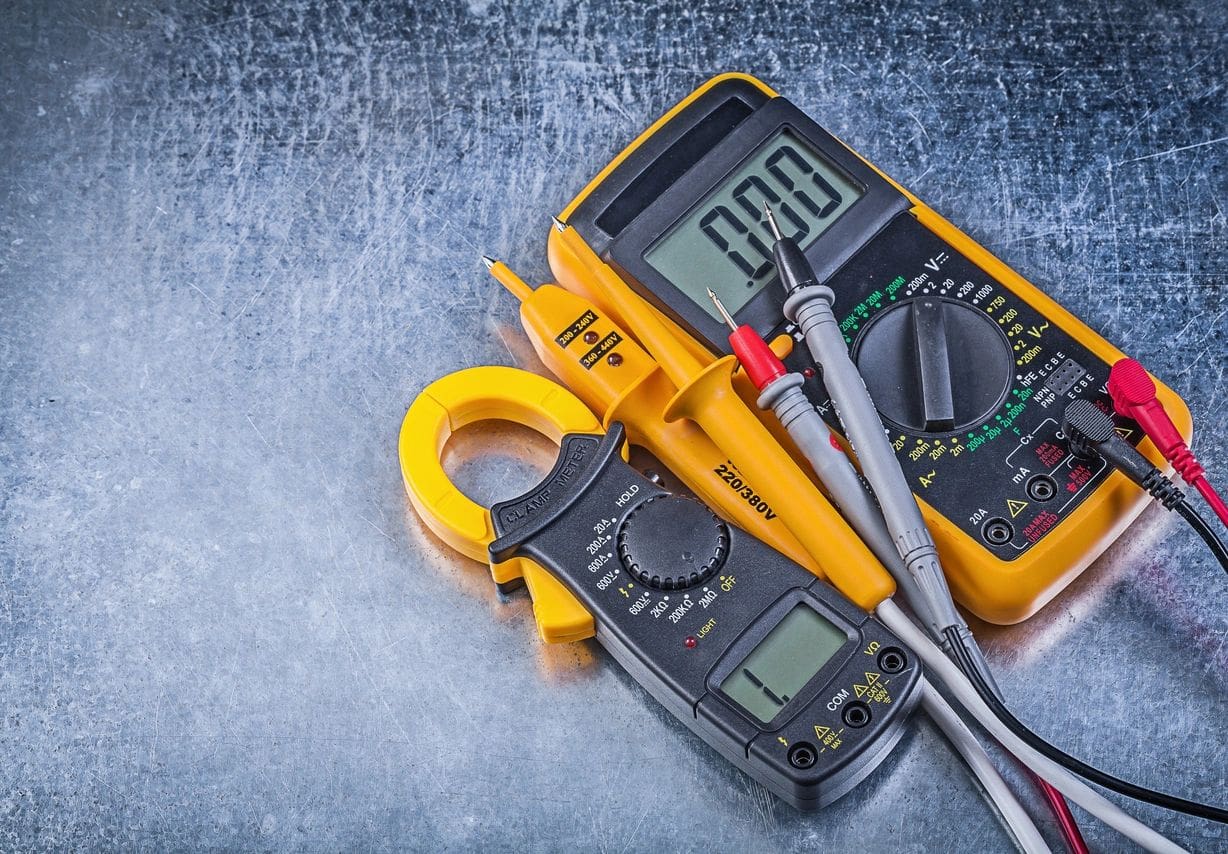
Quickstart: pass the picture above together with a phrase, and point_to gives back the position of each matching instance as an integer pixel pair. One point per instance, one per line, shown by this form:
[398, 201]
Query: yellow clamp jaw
[490, 393]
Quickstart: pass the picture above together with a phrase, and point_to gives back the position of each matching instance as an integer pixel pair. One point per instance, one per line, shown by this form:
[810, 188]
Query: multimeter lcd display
[783, 662]
[724, 242]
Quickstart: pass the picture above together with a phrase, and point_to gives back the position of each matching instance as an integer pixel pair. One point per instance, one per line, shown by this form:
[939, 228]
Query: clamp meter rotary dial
[672, 542]
[970, 365]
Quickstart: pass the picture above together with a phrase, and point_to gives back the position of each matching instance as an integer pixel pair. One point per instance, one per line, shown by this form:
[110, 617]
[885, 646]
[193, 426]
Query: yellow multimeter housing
[1016, 516]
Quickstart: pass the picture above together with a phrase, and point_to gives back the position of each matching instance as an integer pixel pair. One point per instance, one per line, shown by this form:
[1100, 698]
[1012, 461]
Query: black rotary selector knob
[935, 365]
[670, 542]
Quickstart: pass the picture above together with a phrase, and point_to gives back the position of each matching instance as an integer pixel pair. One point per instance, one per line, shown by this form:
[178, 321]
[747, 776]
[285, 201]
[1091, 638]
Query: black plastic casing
[680, 644]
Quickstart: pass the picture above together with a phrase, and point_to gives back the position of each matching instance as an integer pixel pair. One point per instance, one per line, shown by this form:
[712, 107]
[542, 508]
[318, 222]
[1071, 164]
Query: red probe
[1134, 396]
[752, 351]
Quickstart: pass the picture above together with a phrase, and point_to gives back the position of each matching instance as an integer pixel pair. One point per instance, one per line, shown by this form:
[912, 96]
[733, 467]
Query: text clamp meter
[779, 672]
[969, 364]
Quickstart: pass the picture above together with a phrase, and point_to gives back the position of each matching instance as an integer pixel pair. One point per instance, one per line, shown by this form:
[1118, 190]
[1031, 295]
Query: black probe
[1092, 433]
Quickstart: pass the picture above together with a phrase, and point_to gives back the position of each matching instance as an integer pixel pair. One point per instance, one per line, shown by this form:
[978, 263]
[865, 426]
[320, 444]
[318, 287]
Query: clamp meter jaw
[969, 364]
[773, 667]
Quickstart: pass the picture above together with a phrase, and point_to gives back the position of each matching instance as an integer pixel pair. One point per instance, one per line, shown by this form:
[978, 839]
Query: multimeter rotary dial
[670, 542]
[935, 365]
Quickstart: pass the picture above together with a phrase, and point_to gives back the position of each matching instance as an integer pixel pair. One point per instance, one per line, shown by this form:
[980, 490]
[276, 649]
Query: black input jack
[892, 660]
[856, 714]
[997, 531]
[1042, 488]
[803, 755]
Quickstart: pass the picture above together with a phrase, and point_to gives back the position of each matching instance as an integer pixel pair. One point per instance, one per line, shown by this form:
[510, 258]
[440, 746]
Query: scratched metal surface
[235, 241]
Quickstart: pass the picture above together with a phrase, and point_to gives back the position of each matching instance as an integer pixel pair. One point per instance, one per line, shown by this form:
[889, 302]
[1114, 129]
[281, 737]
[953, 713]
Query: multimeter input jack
[1041, 488]
[997, 531]
[892, 660]
[803, 755]
[856, 714]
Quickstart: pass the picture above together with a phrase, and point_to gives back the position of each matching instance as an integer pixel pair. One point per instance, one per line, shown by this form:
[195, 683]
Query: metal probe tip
[772, 222]
[720, 306]
[488, 261]
[559, 224]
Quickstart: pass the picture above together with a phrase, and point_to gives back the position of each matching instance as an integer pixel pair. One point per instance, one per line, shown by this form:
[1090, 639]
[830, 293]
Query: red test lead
[1134, 396]
[752, 351]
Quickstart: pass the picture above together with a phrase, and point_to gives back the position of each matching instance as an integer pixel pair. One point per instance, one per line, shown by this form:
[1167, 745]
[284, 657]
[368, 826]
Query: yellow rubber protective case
[998, 591]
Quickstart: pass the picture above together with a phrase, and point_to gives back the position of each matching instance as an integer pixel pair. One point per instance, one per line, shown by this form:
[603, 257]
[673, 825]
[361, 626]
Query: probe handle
[835, 471]
[810, 308]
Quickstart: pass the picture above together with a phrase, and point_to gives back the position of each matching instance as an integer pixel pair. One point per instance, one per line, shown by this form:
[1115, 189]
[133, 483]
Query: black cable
[1094, 775]
[1091, 433]
[1205, 531]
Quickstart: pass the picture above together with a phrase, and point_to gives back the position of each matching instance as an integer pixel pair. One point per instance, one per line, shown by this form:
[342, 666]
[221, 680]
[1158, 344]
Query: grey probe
[809, 306]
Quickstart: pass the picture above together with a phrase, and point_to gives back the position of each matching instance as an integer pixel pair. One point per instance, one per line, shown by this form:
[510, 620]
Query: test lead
[1092, 433]
[1135, 396]
[771, 218]
[809, 305]
[781, 392]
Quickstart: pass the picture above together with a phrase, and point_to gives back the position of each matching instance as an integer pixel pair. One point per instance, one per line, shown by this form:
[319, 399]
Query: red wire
[1065, 819]
[1134, 396]
[1207, 491]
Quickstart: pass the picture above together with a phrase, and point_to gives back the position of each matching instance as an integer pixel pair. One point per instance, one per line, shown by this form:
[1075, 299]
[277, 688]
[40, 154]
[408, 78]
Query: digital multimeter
[1016, 516]
[773, 667]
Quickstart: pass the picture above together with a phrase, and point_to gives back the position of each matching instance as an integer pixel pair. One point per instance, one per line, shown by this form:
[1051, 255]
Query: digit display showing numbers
[783, 662]
[724, 243]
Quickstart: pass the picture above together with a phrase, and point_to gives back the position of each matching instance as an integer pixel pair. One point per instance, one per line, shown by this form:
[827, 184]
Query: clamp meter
[773, 667]
[969, 365]
[777, 670]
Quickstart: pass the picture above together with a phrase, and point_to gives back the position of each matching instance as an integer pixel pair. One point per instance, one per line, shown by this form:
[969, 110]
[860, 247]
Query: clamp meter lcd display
[770, 665]
[969, 364]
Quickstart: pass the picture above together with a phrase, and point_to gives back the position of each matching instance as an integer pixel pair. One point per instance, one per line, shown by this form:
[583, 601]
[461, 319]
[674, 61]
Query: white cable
[957, 683]
[973, 753]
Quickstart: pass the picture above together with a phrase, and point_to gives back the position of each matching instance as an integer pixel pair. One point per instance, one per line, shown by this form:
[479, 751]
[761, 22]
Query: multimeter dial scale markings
[762, 659]
[1002, 471]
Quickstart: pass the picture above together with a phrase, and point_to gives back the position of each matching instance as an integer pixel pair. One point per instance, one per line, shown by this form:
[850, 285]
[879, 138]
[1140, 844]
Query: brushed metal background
[236, 239]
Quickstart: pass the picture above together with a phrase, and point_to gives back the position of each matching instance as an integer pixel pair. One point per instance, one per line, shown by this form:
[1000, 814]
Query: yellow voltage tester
[972, 394]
